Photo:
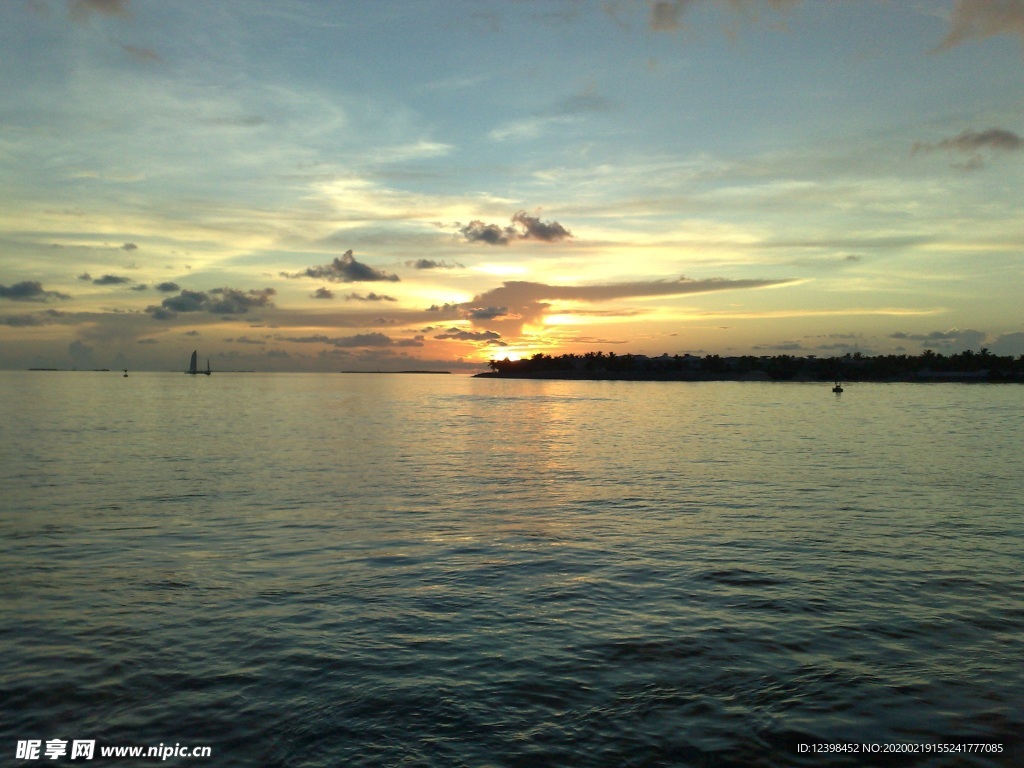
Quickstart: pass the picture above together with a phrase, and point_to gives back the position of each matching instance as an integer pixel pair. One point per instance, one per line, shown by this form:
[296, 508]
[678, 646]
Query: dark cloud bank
[219, 301]
[29, 290]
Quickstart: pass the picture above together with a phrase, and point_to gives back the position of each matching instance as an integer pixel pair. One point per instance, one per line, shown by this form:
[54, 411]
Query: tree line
[927, 366]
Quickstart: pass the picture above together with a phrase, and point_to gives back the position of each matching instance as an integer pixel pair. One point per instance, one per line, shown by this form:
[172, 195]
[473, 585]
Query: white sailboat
[193, 365]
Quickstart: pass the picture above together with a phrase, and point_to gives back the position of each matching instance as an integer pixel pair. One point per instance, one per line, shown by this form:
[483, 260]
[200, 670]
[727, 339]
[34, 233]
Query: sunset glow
[360, 186]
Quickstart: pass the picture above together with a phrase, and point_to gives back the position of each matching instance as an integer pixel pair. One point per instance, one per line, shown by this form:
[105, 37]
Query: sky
[301, 185]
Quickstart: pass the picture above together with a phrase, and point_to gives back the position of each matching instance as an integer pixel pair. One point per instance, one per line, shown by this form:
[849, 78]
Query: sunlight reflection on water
[309, 570]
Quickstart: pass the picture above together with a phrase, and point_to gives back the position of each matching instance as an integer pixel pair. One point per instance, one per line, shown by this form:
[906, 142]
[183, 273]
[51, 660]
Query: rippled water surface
[318, 570]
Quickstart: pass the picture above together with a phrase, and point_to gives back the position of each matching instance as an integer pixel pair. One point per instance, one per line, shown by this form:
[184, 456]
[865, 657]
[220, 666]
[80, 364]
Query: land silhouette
[929, 366]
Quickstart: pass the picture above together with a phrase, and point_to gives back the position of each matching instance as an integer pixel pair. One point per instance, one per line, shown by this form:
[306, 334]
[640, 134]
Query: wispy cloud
[518, 291]
[141, 54]
[523, 302]
[959, 338]
[972, 143]
[567, 111]
[358, 340]
[49, 317]
[667, 15]
[80, 10]
[978, 19]
[528, 127]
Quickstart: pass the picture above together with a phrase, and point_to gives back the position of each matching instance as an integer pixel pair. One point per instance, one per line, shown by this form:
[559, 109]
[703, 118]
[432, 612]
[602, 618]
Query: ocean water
[403, 570]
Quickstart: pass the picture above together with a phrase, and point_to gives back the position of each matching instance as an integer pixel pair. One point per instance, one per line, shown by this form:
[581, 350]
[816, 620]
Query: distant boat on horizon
[193, 365]
[838, 389]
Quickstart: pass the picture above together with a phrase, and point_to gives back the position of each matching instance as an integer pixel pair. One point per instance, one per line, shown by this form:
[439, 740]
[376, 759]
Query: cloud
[978, 19]
[535, 229]
[461, 335]
[416, 341]
[230, 301]
[1008, 344]
[666, 15]
[219, 301]
[971, 143]
[82, 355]
[519, 291]
[29, 290]
[129, 247]
[21, 321]
[529, 228]
[530, 127]
[80, 10]
[369, 297]
[448, 308]
[344, 270]
[322, 293]
[111, 280]
[167, 287]
[485, 313]
[186, 301]
[955, 338]
[48, 317]
[358, 340]
[586, 102]
[247, 340]
[528, 302]
[432, 264]
[141, 54]
[478, 232]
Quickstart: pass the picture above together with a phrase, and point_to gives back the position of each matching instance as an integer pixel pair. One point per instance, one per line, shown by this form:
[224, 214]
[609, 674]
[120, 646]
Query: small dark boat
[837, 389]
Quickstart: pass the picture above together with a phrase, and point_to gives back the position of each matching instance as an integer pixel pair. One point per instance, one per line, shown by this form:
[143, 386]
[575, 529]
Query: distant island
[929, 366]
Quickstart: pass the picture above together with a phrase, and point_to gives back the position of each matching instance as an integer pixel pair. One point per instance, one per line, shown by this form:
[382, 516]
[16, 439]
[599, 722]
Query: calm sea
[403, 570]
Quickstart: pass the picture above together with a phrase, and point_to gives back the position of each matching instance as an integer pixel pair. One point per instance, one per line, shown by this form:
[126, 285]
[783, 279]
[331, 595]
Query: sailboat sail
[193, 365]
